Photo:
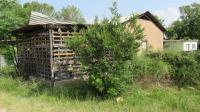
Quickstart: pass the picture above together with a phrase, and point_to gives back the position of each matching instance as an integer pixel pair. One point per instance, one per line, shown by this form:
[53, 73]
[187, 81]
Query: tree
[71, 13]
[177, 30]
[161, 21]
[43, 8]
[188, 27]
[12, 16]
[104, 48]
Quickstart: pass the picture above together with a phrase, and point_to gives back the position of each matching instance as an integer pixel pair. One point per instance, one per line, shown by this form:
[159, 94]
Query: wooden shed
[41, 51]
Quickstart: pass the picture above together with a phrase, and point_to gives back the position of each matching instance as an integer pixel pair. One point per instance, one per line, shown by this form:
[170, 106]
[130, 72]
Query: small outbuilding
[181, 45]
[41, 51]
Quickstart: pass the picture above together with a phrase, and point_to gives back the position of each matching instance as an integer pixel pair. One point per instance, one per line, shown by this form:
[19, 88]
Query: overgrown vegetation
[104, 49]
[77, 90]
[185, 67]
[145, 66]
[161, 81]
[19, 96]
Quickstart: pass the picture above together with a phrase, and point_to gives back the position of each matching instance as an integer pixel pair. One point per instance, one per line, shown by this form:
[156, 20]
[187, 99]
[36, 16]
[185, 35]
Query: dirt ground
[3, 110]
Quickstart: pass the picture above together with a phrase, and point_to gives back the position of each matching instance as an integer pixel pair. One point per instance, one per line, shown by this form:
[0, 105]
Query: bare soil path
[3, 110]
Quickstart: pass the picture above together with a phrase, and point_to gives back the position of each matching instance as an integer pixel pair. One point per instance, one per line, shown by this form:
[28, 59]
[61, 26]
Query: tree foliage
[43, 8]
[12, 16]
[71, 13]
[188, 27]
[104, 49]
[160, 20]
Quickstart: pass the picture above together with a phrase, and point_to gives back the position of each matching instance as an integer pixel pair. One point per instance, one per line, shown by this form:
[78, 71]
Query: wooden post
[51, 55]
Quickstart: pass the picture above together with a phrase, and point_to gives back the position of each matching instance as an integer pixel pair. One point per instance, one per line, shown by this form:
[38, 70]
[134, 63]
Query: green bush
[148, 66]
[185, 66]
[104, 49]
[197, 56]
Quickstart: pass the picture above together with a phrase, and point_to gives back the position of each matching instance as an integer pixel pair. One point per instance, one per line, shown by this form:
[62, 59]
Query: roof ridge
[146, 13]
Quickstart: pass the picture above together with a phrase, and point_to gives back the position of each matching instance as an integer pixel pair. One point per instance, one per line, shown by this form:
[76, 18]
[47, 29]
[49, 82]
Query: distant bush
[185, 66]
[145, 66]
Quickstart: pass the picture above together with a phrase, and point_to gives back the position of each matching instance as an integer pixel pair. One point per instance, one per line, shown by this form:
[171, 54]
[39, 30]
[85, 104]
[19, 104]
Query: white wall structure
[2, 61]
[190, 45]
[181, 45]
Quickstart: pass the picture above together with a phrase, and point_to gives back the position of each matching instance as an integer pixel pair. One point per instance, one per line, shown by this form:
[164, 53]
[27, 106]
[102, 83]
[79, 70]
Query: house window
[144, 45]
[187, 47]
[193, 46]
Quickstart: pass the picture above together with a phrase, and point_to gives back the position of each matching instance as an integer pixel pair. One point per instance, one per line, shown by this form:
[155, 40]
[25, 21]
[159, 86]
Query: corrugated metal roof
[37, 18]
[39, 21]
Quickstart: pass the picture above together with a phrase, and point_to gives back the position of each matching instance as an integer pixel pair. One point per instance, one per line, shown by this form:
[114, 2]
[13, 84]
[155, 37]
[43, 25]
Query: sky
[165, 9]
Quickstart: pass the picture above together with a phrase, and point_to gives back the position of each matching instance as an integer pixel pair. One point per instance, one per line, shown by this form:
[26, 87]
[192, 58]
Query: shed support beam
[51, 56]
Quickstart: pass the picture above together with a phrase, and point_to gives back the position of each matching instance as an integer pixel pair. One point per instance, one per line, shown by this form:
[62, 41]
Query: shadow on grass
[75, 90]
[78, 90]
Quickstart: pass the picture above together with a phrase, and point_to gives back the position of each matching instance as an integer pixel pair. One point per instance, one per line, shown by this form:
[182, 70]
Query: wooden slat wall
[65, 65]
[34, 54]
[43, 53]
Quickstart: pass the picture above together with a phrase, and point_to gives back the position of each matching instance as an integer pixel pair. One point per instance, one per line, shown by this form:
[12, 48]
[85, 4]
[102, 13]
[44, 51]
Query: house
[41, 51]
[181, 45]
[154, 31]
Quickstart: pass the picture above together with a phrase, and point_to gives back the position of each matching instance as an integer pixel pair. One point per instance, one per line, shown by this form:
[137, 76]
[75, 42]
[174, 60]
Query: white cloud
[169, 15]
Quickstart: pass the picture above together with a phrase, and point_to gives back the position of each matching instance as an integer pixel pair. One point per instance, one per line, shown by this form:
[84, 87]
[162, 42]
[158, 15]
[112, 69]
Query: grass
[20, 96]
